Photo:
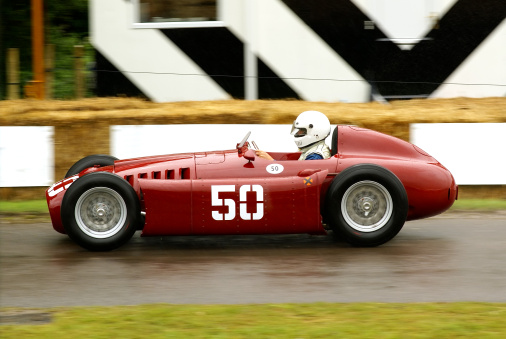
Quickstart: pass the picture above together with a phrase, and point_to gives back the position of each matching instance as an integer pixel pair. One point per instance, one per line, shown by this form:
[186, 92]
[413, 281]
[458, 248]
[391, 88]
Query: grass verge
[480, 204]
[24, 212]
[313, 320]
[40, 206]
[30, 206]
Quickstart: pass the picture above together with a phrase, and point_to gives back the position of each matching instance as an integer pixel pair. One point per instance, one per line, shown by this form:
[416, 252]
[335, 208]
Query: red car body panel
[237, 207]
[227, 192]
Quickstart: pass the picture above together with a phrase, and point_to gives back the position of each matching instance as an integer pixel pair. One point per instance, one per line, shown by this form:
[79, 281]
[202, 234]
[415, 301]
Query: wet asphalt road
[459, 258]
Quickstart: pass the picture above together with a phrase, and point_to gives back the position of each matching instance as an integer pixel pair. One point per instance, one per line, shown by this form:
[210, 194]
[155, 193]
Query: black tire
[366, 205]
[100, 211]
[90, 161]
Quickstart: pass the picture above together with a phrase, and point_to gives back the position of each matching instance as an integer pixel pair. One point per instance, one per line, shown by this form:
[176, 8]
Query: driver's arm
[263, 154]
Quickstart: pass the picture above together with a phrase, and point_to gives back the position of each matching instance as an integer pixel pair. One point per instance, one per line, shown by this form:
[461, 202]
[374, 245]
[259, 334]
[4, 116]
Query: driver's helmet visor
[298, 132]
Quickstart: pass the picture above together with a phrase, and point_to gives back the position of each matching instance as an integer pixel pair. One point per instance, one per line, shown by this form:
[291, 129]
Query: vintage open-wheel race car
[364, 193]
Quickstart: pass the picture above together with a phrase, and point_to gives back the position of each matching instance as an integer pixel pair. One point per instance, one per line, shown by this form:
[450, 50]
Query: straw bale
[82, 126]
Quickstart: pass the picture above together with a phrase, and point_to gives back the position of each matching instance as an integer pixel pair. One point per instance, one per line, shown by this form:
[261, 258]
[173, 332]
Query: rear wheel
[366, 205]
[90, 161]
[100, 211]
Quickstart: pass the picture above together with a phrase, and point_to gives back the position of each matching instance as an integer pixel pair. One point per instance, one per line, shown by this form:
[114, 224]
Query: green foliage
[64, 75]
[70, 16]
[66, 25]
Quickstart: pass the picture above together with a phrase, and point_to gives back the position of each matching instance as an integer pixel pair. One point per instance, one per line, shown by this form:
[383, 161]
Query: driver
[309, 131]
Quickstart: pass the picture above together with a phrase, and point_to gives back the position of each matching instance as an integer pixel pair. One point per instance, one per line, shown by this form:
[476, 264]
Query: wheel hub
[100, 212]
[366, 206]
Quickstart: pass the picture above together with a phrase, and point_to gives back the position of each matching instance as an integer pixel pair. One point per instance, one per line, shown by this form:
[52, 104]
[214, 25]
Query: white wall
[275, 34]
[483, 73]
[295, 52]
[26, 156]
[405, 21]
[476, 160]
[150, 53]
[129, 141]
[474, 153]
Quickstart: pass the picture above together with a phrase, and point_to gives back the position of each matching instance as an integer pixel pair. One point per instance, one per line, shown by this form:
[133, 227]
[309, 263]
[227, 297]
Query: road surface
[455, 258]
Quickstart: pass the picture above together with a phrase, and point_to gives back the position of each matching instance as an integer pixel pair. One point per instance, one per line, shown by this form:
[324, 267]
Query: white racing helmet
[310, 127]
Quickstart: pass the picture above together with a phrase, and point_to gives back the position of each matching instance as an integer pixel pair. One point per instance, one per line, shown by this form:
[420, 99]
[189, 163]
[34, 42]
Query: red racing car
[364, 193]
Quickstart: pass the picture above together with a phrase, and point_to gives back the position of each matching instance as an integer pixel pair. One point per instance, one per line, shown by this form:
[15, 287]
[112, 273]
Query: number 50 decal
[259, 190]
[230, 203]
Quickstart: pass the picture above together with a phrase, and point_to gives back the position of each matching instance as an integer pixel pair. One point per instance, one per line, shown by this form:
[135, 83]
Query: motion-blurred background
[372, 63]
[319, 50]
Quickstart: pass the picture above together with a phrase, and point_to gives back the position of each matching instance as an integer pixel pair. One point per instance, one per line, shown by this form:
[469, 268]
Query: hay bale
[82, 126]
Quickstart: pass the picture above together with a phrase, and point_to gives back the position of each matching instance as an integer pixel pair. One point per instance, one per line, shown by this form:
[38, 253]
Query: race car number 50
[231, 204]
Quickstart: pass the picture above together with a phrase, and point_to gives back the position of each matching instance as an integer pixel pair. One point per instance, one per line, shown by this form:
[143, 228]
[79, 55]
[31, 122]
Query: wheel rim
[100, 212]
[366, 206]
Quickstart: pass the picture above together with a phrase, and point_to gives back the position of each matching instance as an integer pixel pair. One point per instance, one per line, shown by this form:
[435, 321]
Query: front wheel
[90, 161]
[366, 205]
[100, 211]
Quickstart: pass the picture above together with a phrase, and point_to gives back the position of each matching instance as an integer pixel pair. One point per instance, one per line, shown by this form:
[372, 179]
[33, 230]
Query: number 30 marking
[230, 203]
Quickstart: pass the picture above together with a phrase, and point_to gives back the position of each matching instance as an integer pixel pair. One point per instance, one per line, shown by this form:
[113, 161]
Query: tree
[66, 25]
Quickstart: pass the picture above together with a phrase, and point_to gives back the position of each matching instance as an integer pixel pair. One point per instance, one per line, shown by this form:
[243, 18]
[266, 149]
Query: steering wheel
[244, 140]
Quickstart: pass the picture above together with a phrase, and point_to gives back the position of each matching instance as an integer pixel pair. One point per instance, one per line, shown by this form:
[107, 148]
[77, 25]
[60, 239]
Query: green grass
[37, 206]
[314, 320]
[480, 204]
